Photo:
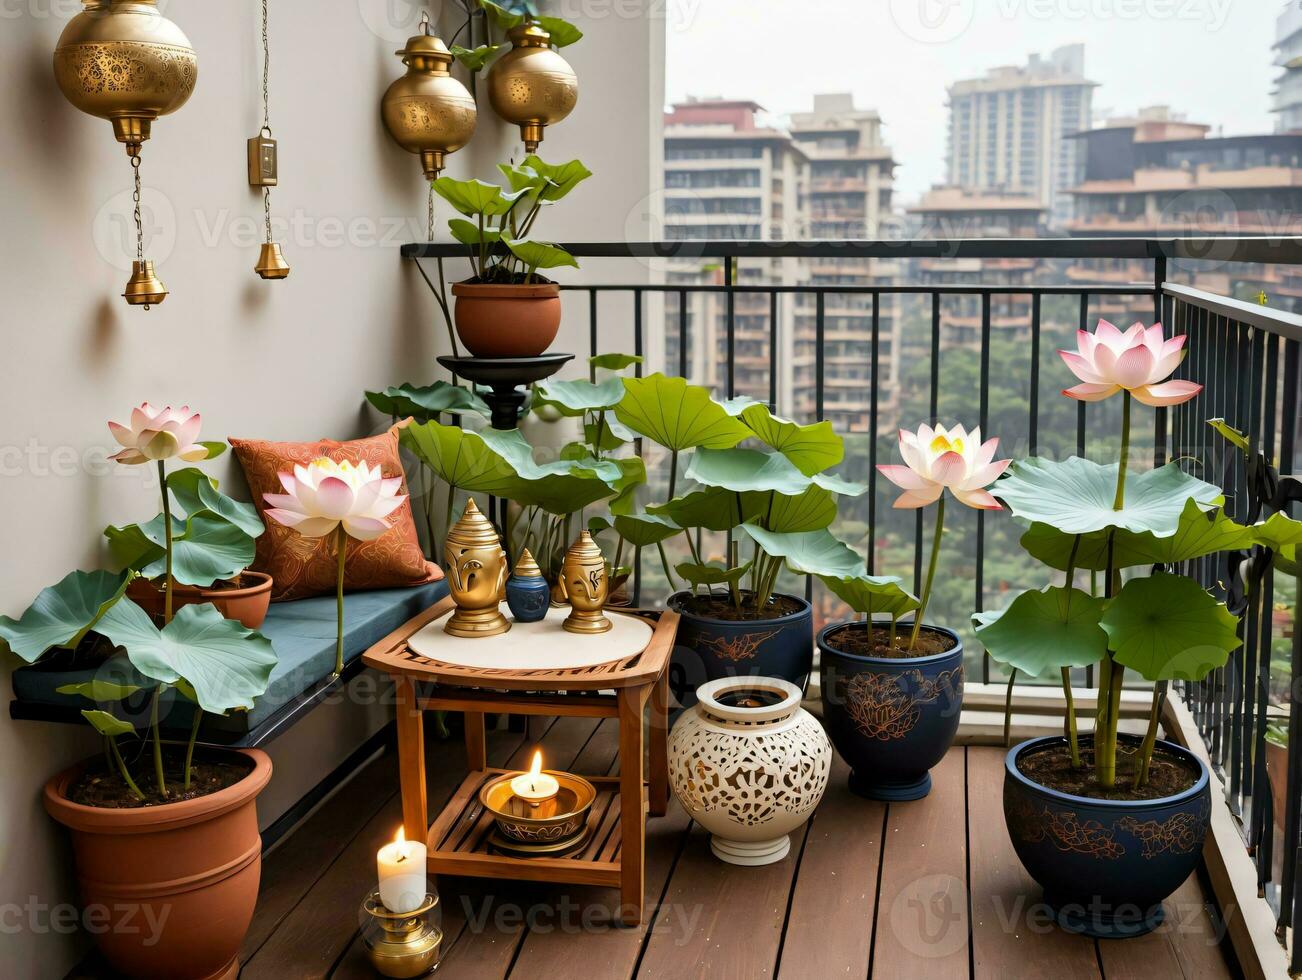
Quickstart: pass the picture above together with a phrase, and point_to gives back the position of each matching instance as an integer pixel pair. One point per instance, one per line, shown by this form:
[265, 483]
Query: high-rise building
[1007, 129]
[1287, 95]
[727, 177]
[1158, 175]
[851, 175]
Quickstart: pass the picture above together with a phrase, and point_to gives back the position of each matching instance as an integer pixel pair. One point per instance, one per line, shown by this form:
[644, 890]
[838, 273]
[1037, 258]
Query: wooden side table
[614, 854]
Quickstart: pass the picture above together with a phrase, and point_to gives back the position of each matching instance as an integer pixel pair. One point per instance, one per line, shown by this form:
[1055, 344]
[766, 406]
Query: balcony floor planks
[848, 901]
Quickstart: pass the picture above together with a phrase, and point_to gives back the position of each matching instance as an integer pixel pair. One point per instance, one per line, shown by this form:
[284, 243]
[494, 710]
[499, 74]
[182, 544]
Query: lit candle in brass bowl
[539, 812]
[536, 788]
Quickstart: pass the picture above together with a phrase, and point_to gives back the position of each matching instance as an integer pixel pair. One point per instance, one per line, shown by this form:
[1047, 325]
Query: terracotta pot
[178, 881]
[248, 604]
[505, 320]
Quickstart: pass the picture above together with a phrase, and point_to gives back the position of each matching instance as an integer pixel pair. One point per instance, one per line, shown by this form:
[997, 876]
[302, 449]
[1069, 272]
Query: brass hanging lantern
[264, 167]
[123, 61]
[427, 111]
[531, 86]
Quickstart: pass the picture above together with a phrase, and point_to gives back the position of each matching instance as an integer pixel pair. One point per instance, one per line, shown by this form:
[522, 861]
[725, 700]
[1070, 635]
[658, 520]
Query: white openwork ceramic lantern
[750, 765]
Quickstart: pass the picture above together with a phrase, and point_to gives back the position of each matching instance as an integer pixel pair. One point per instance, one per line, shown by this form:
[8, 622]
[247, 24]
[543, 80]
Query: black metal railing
[1246, 355]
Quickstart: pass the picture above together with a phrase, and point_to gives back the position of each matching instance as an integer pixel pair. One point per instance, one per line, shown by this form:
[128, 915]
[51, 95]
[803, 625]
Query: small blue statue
[527, 592]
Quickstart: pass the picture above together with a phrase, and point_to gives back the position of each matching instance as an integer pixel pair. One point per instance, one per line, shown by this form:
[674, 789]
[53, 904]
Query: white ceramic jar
[749, 765]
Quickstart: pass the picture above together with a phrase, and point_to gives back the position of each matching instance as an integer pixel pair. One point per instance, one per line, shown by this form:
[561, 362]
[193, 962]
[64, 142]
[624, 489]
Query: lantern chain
[266, 108]
[135, 198]
[431, 212]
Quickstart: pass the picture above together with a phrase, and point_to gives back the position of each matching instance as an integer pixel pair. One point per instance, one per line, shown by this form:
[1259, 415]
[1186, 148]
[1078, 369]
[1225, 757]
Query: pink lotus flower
[1108, 361]
[159, 434]
[321, 496]
[938, 459]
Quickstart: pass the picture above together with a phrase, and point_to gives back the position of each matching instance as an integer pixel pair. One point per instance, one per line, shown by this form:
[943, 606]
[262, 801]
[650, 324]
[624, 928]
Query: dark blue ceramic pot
[891, 719]
[529, 597]
[707, 649]
[1105, 865]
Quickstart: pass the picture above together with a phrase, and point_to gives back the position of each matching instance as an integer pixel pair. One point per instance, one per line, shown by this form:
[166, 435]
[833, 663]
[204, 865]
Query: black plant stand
[504, 376]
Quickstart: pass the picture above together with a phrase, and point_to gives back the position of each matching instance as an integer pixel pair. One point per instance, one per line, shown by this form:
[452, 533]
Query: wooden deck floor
[927, 889]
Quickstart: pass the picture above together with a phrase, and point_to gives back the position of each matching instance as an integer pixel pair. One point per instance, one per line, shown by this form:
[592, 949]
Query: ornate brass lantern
[123, 61]
[427, 111]
[531, 86]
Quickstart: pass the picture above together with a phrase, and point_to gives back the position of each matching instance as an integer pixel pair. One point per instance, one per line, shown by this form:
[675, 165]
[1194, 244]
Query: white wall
[272, 360]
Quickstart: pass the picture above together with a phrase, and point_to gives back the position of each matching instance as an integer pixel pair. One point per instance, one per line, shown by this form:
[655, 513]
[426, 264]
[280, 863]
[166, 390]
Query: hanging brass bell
[531, 86]
[144, 288]
[271, 262]
[427, 111]
[123, 61]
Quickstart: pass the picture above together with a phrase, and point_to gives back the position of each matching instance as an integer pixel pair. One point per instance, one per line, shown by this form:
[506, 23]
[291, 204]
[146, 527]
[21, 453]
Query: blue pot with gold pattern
[891, 710]
[527, 592]
[1106, 864]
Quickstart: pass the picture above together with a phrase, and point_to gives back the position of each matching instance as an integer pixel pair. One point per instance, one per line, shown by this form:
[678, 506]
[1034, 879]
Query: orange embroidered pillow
[302, 567]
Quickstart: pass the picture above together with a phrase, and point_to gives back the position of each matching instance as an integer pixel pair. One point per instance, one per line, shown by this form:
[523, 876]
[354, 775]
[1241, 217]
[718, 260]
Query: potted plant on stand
[893, 692]
[1111, 823]
[212, 536]
[780, 502]
[506, 308]
[167, 834]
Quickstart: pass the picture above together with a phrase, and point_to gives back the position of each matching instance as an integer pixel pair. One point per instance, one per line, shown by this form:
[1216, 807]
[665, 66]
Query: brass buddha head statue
[586, 581]
[475, 566]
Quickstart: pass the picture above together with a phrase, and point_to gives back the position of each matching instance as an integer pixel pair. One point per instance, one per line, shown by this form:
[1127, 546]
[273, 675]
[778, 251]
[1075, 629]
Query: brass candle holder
[588, 585]
[476, 573]
[402, 945]
[525, 830]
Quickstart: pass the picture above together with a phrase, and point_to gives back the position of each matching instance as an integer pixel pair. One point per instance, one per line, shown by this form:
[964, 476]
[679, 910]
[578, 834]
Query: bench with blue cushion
[302, 632]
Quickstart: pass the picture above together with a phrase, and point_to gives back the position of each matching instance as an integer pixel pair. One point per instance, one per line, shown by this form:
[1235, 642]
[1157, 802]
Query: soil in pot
[722, 607]
[100, 786]
[854, 639]
[500, 277]
[1168, 774]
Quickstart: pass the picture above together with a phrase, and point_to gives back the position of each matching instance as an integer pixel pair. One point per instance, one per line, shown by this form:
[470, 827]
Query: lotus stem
[1150, 737]
[167, 532]
[1073, 740]
[123, 770]
[1119, 500]
[931, 574]
[673, 472]
[1103, 760]
[341, 549]
[189, 747]
[1008, 708]
[664, 560]
[158, 743]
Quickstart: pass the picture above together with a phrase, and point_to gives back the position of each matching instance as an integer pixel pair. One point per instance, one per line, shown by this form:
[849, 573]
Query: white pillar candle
[535, 786]
[402, 870]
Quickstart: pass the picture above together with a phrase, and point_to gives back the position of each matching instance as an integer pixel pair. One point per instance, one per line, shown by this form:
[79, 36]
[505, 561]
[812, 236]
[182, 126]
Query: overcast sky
[1208, 59]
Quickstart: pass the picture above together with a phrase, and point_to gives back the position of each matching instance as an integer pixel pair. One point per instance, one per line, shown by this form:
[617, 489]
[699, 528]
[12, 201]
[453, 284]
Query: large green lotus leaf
[713, 509]
[809, 511]
[196, 491]
[63, 613]
[573, 398]
[742, 470]
[475, 197]
[425, 403]
[810, 448]
[1199, 533]
[1167, 627]
[872, 594]
[737, 404]
[711, 574]
[566, 485]
[607, 434]
[810, 552]
[1230, 434]
[615, 362]
[100, 691]
[1278, 532]
[469, 233]
[562, 177]
[1075, 495]
[463, 459]
[644, 530]
[226, 664]
[207, 548]
[107, 724]
[540, 255]
[677, 415]
[1046, 630]
[632, 473]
